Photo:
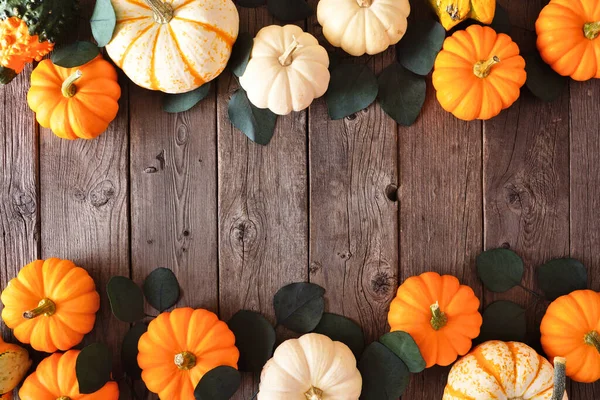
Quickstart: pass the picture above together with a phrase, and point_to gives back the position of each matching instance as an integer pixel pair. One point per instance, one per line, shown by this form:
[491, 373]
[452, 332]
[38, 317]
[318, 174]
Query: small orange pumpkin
[180, 347]
[571, 329]
[14, 363]
[75, 102]
[439, 313]
[569, 37]
[55, 379]
[478, 73]
[51, 304]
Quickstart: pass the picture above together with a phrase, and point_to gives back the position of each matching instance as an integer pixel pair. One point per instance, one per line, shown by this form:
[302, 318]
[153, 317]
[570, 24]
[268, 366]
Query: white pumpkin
[312, 367]
[363, 26]
[174, 46]
[501, 370]
[287, 70]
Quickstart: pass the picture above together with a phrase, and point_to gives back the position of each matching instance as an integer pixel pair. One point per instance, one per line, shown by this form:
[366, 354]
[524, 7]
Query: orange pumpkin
[478, 73]
[75, 102]
[439, 313]
[569, 37]
[14, 363]
[571, 329]
[51, 304]
[55, 379]
[180, 347]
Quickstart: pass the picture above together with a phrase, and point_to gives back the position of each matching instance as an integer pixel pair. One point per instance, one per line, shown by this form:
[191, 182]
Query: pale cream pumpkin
[287, 70]
[363, 26]
[503, 371]
[174, 46]
[313, 367]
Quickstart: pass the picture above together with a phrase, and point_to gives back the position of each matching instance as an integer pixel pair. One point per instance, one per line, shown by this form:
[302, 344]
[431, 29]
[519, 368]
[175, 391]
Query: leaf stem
[536, 294]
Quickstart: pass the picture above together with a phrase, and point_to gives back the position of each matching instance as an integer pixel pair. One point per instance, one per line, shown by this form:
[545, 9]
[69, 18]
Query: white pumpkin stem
[314, 394]
[364, 3]
[592, 30]
[163, 12]
[483, 68]
[45, 307]
[286, 58]
[68, 87]
[560, 369]
[438, 318]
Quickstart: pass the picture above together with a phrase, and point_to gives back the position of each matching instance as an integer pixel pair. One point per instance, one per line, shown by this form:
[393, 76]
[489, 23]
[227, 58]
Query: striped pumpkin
[174, 46]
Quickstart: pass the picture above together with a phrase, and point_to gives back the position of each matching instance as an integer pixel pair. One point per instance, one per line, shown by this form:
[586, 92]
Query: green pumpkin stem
[592, 30]
[185, 360]
[482, 69]
[45, 307]
[560, 369]
[592, 338]
[314, 394]
[68, 88]
[163, 12]
[438, 318]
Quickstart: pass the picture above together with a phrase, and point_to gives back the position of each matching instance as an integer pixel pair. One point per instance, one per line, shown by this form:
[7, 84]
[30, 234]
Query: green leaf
[401, 94]
[561, 276]
[501, 21]
[542, 80]
[219, 383]
[75, 55]
[129, 350]
[299, 306]
[161, 289]
[240, 55]
[385, 376]
[254, 338]
[503, 320]
[176, 103]
[352, 88]
[251, 3]
[420, 46]
[256, 123]
[344, 330]
[103, 22]
[404, 346]
[499, 269]
[93, 367]
[126, 299]
[289, 10]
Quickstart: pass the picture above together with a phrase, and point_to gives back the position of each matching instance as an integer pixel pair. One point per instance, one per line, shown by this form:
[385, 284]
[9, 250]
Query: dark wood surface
[356, 205]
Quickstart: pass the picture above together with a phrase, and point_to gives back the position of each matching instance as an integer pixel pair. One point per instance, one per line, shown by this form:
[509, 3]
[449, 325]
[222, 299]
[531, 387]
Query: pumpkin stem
[68, 88]
[592, 30]
[63, 398]
[314, 394]
[185, 360]
[364, 3]
[483, 68]
[592, 338]
[286, 58]
[46, 307]
[560, 369]
[163, 12]
[438, 318]
[454, 12]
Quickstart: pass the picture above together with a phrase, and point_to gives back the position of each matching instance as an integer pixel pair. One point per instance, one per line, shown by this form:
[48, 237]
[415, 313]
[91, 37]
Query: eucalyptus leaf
[219, 383]
[501, 21]
[289, 10]
[256, 123]
[401, 94]
[561, 276]
[344, 330]
[93, 367]
[75, 54]
[384, 375]
[545, 83]
[420, 46]
[254, 338]
[129, 350]
[299, 306]
[500, 269]
[240, 55]
[404, 346]
[251, 3]
[126, 299]
[503, 320]
[176, 103]
[161, 289]
[352, 88]
[103, 22]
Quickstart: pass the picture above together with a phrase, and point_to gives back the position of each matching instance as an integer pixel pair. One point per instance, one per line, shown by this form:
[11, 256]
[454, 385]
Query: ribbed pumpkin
[453, 12]
[478, 73]
[503, 370]
[180, 347]
[571, 329]
[55, 379]
[569, 37]
[75, 102]
[173, 46]
[14, 363]
[439, 313]
[51, 304]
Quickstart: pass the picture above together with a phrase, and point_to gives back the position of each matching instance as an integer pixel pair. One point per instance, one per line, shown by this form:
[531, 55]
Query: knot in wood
[78, 194]
[102, 193]
[244, 232]
[182, 135]
[382, 283]
[24, 204]
[315, 267]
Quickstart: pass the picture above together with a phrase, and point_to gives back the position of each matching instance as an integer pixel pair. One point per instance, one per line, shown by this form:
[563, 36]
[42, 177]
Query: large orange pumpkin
[55, 379]
[75, 102]
[478, 73]
[569, 37]
[51, 304]
[180, 347]
[439, 313]
[571, 329]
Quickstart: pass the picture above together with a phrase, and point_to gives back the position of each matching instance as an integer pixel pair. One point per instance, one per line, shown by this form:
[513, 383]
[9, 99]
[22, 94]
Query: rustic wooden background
[355, 205]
